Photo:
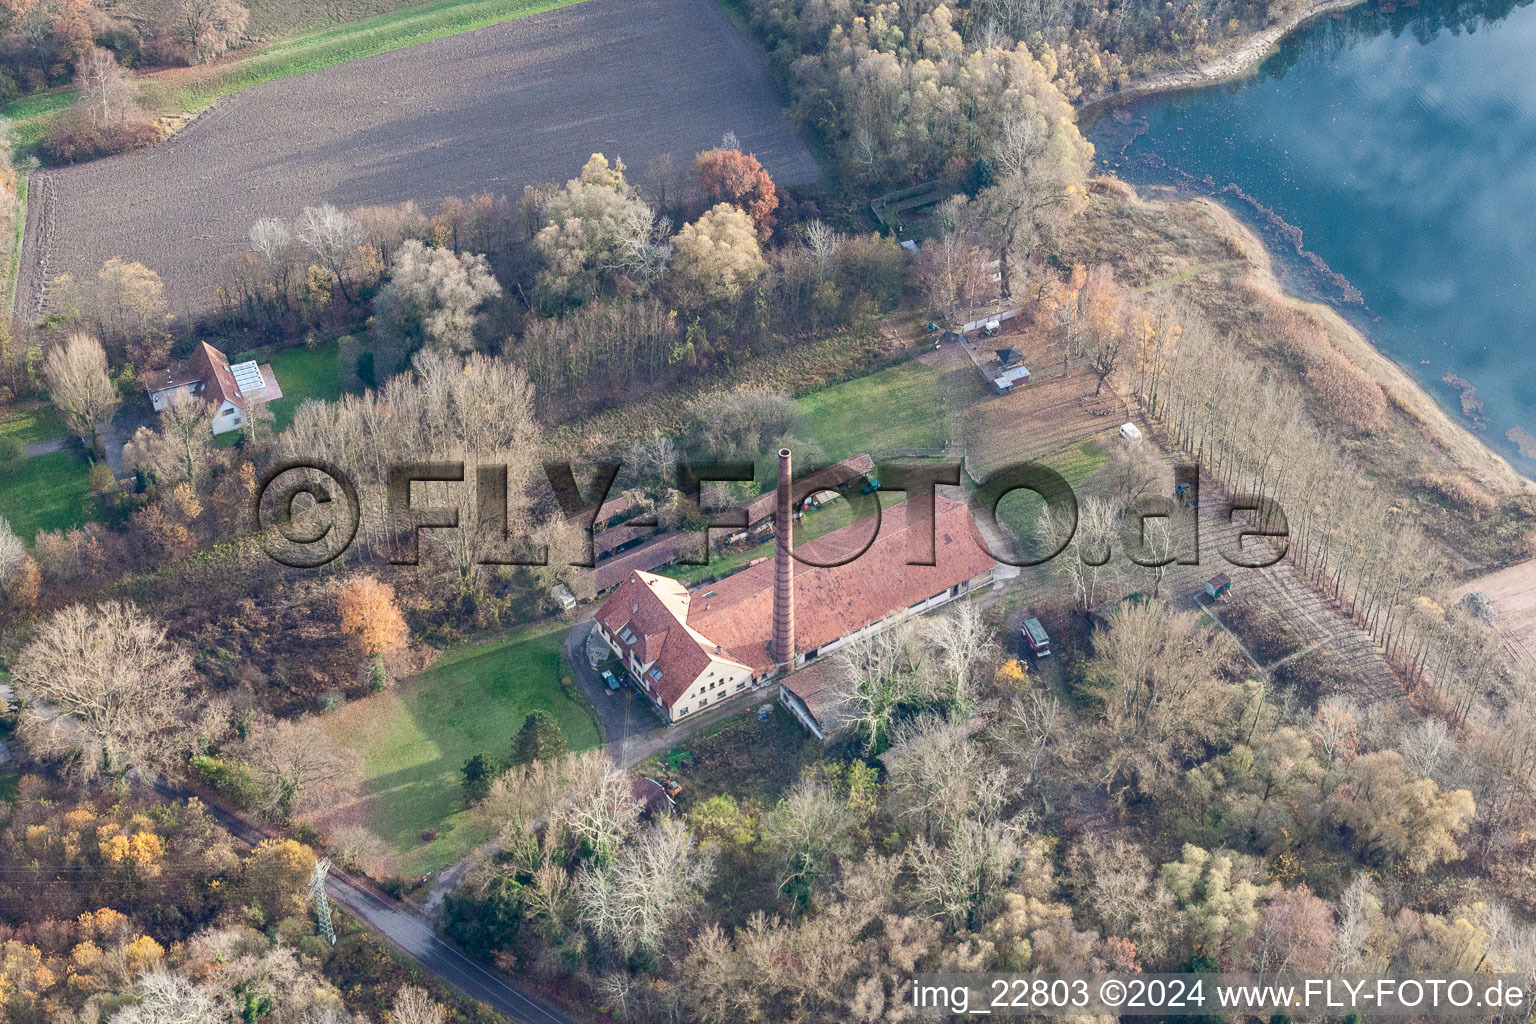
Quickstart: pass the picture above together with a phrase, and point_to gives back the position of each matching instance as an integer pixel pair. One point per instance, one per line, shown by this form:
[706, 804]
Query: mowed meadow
[485, 111]
[414, 738]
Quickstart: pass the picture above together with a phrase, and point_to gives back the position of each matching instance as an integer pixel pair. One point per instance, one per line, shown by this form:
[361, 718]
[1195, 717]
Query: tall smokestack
[784, 572]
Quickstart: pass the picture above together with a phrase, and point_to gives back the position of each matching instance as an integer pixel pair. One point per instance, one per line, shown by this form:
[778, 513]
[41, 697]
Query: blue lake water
[1402, 143]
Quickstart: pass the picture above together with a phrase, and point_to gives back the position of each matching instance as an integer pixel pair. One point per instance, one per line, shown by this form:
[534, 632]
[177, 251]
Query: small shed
[1005, 381]
[1130, 432]
[1008, 358]
[562, 593]
[1217, 586]
[1035, 635]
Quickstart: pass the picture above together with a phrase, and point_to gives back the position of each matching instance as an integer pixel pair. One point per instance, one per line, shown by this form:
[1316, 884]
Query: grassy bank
[414, 738]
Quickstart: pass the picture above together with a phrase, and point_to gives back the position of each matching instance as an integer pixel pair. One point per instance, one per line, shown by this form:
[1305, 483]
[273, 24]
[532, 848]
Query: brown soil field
[486, 111]
[1512, 592]
[1034, 421]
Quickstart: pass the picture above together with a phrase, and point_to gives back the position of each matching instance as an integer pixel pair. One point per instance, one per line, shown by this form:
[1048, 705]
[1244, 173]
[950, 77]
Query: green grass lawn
[50, 492]
[1020, 510]
[329, 47]
[902, 407]
[39, 421]
[303, 374]
[415, 737]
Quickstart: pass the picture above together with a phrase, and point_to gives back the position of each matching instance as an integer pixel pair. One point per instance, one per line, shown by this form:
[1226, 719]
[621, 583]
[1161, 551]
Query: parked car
[608, 677]
[1034, 635]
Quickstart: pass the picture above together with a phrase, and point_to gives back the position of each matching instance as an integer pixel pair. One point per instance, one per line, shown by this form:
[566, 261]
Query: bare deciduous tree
[654, 879]
[101, 90]
[1087, 560]
[331, 237]
[207, 27]
[298, 768]
[414, 1005]
[79, 385]
[182, 449]
[435, 295]
[808, 828]
[106, 683]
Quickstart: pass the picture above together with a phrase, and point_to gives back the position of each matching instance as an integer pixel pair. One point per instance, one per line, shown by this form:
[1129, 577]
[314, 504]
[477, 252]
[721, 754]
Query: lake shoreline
[1438, 426]
[1235, 63]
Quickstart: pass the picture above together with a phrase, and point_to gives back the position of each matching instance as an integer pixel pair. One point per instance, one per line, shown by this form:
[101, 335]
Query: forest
[1175, 790]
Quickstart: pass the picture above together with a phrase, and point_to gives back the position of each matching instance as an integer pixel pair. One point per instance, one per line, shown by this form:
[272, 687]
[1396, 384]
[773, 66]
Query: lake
[1401, 142]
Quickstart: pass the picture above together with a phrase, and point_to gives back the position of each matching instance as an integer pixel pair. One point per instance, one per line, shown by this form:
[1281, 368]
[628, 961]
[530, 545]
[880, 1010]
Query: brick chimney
[784, 572]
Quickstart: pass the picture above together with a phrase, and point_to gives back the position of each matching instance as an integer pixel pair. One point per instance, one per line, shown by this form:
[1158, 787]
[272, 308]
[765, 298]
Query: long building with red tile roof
[692, 649]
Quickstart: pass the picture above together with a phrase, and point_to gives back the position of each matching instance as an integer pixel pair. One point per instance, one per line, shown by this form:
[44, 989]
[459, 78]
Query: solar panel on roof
[248, 377]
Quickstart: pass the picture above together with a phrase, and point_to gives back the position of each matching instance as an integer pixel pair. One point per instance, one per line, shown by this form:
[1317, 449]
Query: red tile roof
[831, 603]
[653, 609]
[843, 472]
[733, 618]
[218, 381]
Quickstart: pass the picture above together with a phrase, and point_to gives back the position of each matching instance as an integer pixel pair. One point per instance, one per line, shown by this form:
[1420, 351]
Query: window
[656, 674]
[741, 685]
[681, 712]
[627, 636]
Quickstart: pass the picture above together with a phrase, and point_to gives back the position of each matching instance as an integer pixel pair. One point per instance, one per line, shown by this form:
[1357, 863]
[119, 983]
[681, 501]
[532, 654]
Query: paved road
[406, 930]
[482, 112]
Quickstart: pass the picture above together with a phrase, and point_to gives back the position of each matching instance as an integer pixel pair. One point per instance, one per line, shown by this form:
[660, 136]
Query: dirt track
[487, 111]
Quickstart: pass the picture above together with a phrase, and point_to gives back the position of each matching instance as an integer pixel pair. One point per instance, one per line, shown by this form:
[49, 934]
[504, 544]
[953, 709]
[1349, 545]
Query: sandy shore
[1233, 64]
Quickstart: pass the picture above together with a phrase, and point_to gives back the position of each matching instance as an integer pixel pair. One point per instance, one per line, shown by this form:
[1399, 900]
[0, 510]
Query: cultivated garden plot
[487, 111]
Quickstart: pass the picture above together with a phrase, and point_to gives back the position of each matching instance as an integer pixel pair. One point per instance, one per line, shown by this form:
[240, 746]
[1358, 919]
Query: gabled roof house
[232, 391]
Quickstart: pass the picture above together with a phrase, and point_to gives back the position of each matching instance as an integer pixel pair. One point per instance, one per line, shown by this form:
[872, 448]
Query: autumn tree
[1218, 894]
[434, 295]
[731, 176]
[276, 876]
[20, 580]
[79, 385]
[124, 306]
[717, 256]
[369, 612]
[105, 684]
[594, 231]
[1396, 817]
